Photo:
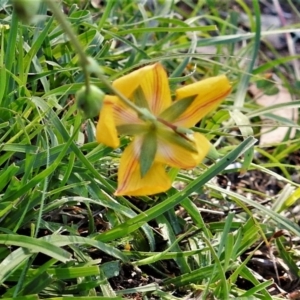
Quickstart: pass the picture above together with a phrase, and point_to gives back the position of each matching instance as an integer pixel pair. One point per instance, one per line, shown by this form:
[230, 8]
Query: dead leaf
[276, 135]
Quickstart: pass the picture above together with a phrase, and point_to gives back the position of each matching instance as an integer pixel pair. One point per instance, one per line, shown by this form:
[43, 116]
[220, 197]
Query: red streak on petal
[155, 101]
[167, 151]
[196, 108]
[126, 176]
[130, 167]
[125, 114]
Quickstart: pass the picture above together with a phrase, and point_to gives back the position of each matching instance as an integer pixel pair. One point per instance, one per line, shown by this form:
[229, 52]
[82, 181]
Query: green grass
[63, 233]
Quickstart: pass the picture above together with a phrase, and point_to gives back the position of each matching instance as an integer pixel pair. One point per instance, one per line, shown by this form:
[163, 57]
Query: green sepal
[89, 101]
[148, 152]
[177, 108]
[139, 98]
[132, 129]
[180, 140]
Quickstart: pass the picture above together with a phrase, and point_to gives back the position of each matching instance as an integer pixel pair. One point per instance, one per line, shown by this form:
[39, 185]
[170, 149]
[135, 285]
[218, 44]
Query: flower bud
[26, 9]
[89, 101]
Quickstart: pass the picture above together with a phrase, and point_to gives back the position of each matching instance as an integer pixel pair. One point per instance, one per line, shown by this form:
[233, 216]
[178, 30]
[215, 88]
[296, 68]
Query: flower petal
[155, 86]
[127, 84]
[154, 83]
[130, 181]
[179, 157]
[106, 131]
[114, 113]
[210, 92]
[124, 115]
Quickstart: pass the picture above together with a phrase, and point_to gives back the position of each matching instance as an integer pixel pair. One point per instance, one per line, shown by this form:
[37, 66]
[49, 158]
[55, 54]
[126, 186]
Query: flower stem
[66, 26]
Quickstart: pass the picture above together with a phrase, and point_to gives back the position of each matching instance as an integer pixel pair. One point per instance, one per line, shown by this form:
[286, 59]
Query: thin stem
[66, 26]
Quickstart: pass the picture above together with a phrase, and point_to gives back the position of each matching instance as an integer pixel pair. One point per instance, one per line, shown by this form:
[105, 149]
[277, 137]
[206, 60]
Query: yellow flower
[164, 140]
